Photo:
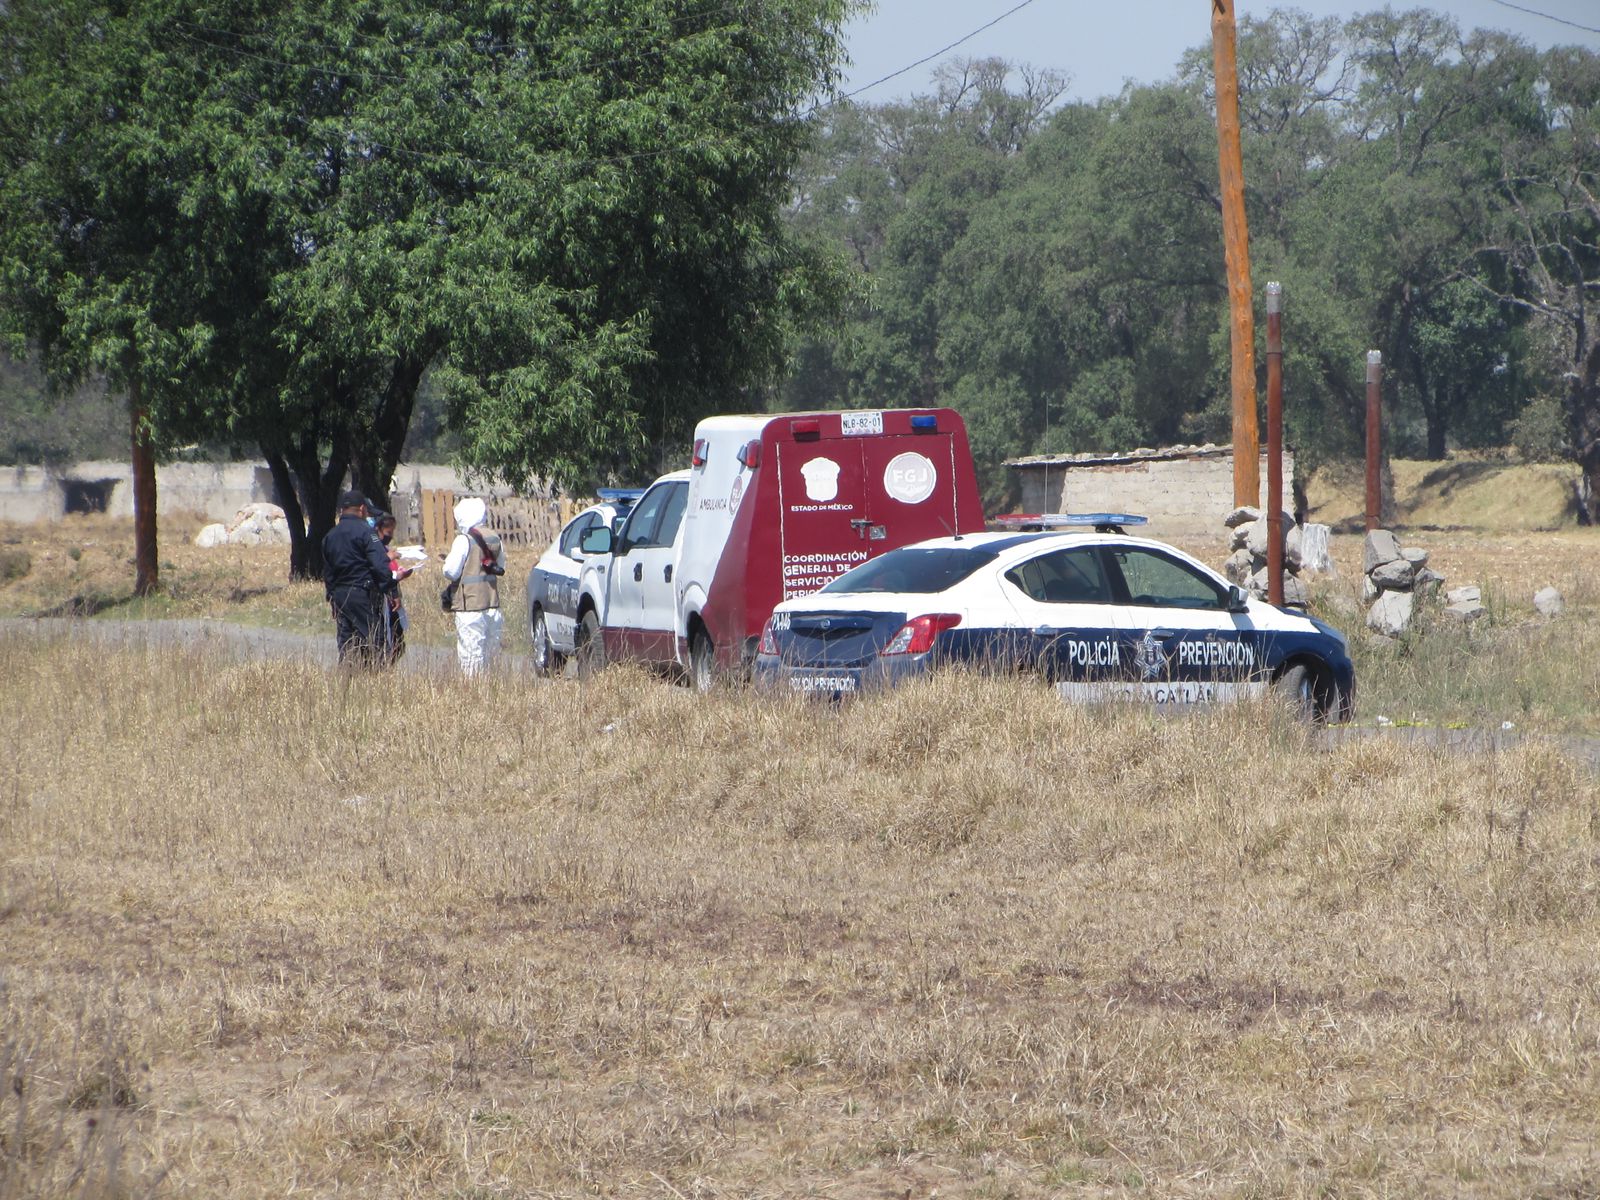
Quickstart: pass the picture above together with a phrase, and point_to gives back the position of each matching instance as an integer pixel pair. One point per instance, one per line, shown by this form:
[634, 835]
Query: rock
[1257, 543]
[1238, 567]
[1390, 614]
[1469, 594]
[1294, 592]
[1315, 554]
[1369, 590]
[1463, 610]
[259, 508]
[1415, 555]
[1241, 535]
[1396, 576]
[1380, 547]
[1427, 582]
[211, 536]
[1293, 556]
[1242, 516]
[1258, 584]
[1549, 602]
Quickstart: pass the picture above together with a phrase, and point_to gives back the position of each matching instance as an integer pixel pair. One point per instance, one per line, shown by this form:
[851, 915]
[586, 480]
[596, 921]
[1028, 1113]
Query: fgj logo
[910, 477]
[1149, 657]
[822, 479]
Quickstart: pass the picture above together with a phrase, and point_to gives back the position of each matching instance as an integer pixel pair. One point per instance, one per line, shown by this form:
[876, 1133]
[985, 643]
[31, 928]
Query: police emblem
[1149, 657]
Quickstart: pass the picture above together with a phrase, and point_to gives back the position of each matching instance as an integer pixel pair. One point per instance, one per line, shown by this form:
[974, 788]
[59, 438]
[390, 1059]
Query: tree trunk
[146, 570]
[1436, 439]
[289, 499]
[374, 458]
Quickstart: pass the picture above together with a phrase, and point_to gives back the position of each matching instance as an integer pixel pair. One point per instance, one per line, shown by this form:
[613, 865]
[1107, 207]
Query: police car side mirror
[1238, 602]
[597, 539]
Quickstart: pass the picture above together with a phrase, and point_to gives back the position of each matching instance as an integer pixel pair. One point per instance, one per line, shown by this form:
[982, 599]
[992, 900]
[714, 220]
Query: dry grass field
[270, 930]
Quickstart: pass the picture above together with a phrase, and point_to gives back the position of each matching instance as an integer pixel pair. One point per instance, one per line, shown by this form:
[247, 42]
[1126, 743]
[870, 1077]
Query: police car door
[1068, 628]
[1180, 640]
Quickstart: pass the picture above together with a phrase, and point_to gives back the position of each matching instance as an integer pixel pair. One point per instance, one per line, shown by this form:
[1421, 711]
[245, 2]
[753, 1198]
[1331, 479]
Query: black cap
[352, 499]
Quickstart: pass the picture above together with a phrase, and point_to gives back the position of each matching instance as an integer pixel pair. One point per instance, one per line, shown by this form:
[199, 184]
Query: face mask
[386, 538]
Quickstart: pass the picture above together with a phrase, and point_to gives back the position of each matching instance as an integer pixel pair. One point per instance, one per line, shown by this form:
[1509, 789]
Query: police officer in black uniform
[355, 570]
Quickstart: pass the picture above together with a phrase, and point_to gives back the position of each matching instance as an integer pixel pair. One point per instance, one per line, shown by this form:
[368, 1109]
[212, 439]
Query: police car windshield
[920, 571]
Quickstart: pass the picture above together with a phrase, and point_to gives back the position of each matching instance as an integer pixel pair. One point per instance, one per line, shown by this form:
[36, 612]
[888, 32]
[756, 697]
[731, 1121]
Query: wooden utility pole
[1275, 443]
[1236, 242]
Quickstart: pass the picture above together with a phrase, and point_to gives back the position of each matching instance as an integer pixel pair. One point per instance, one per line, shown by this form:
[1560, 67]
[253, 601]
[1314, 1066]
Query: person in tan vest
[474, 566]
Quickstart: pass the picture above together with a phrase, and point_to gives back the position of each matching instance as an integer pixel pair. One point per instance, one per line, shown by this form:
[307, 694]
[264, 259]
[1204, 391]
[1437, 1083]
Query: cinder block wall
[1182, 496]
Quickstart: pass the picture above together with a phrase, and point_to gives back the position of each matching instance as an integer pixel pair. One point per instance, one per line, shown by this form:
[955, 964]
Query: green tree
[567, 217]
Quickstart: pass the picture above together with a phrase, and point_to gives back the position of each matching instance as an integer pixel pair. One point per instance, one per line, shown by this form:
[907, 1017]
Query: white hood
[470, 512]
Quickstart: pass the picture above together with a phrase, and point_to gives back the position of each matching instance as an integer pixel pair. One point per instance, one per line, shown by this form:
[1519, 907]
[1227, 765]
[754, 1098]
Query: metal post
[1274, 443]
[1374, 438]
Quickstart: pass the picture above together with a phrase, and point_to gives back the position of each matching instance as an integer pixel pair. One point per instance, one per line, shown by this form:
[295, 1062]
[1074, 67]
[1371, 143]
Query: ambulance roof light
[750, 454]
[701, 452]
[805, 427]
[924, 423]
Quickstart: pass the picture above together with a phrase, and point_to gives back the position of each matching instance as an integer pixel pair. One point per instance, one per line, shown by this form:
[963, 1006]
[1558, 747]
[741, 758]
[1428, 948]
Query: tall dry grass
[266, 929]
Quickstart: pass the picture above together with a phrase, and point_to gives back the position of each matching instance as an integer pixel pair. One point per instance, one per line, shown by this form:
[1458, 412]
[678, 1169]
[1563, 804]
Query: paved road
[252, 642]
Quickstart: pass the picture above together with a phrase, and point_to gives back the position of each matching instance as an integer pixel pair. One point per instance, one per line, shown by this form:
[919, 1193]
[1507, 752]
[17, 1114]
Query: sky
[1102, 44]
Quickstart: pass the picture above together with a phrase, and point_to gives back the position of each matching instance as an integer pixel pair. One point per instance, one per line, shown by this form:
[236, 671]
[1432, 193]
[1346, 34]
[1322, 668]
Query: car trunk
[835, 639]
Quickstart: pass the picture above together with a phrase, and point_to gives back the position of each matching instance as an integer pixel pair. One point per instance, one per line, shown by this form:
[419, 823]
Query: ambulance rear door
[823, 512]
[911, 488]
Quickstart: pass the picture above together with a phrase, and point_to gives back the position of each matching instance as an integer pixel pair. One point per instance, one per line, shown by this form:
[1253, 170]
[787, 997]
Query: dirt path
[226, 637]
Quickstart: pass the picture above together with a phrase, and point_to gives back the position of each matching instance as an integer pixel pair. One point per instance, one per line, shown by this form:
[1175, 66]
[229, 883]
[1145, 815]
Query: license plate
[833, 684]
[861, 424]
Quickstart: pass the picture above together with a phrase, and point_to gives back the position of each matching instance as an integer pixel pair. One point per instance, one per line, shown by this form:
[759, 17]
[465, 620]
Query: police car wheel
[702, 662]
[591, 648]
[1298, 687]
[547, 660]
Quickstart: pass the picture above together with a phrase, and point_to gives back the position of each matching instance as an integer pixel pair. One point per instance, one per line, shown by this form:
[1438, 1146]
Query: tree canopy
[285, 214]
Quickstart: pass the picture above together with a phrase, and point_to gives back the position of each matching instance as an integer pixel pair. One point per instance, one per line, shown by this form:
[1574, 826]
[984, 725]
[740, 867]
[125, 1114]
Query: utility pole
[1374, 440]
[1236, 242]
[1275, 443]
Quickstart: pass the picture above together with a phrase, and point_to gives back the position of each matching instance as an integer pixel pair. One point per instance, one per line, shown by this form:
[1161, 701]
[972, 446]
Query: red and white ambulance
[770, 508]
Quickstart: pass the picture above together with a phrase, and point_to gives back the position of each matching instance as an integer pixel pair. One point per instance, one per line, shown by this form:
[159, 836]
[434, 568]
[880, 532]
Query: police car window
[920, 571]
[643, 519]
[1063, 577]
[1157, 581]
[666, 515]
[569, 539]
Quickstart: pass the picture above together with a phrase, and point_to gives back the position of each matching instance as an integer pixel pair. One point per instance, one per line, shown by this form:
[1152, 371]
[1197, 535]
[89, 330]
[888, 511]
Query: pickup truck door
[641, 615]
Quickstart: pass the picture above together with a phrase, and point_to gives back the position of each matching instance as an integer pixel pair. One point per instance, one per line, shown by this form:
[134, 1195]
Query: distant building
[1184, 490]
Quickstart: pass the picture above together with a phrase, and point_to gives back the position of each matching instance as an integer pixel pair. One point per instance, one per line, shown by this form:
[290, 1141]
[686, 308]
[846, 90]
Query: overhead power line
[927, 58]
[1533, 12]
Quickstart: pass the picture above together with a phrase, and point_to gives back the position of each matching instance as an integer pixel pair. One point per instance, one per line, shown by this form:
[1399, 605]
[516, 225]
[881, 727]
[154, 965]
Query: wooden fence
[521, 521]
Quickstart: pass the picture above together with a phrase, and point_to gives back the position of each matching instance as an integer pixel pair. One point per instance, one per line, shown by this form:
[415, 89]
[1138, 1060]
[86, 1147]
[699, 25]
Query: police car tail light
[917, 635]
[769, 640]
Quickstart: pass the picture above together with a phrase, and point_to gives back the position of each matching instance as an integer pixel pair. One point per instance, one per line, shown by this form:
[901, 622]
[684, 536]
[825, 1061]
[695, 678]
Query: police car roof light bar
[1100, 522]
[619, 496]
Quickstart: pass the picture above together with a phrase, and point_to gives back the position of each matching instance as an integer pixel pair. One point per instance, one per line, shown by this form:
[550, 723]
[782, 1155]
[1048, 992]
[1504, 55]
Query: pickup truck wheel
[591, 647]
[702, 662]
[547, 660]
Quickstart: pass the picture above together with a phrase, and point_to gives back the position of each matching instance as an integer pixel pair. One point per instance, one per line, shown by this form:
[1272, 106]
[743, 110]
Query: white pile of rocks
[1396, 576]
[253, 525]
[1304, 551]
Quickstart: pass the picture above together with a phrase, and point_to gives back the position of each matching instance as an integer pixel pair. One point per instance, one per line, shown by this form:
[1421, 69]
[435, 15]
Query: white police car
[553, 581]
[1098, 613]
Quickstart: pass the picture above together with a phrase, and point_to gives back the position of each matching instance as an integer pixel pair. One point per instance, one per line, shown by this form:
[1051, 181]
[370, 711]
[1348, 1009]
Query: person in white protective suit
[474, 566]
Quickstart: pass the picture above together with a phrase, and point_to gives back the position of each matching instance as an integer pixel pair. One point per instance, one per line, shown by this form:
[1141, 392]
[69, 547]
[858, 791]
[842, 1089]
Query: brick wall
[1184, 493]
